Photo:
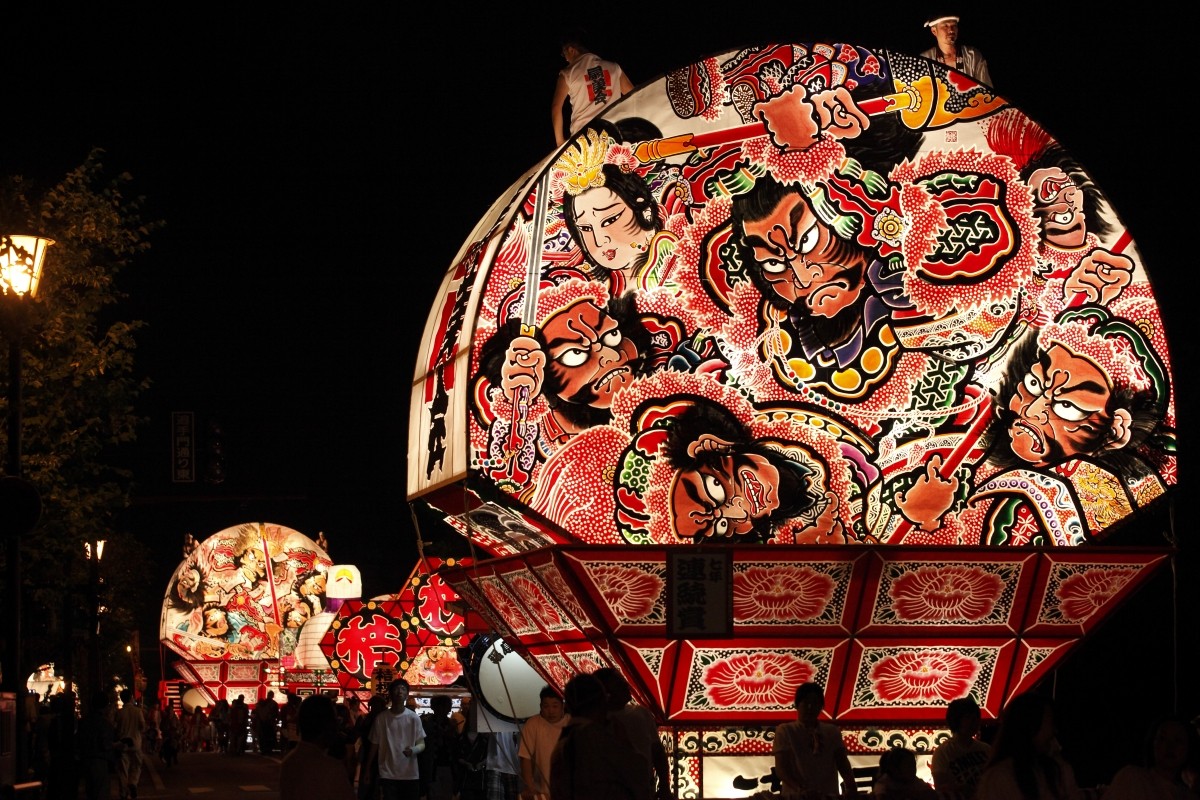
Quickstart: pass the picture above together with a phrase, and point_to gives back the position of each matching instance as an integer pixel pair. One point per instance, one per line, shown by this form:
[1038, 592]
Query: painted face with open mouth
[590, 356]
[1058, 204]
[1061, 409]
[724, 499]
[216, 624]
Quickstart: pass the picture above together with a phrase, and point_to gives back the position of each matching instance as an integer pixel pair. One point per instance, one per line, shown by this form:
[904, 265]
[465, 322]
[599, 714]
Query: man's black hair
[575, 36]
[959, 710]
[317, 719]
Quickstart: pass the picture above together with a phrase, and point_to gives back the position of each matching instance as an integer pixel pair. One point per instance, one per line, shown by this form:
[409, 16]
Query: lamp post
[21, 261]
[135, 664]
[95, 552]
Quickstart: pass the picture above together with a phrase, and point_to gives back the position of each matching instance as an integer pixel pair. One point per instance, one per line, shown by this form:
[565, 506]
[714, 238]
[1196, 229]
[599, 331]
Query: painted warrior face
[314, 584]
[189, 579]
[725, 499]
[1061, 409]
[1058, 204]
[252, 564]
[803, 261]
[590, 356]
[298, 615]
[215, 623]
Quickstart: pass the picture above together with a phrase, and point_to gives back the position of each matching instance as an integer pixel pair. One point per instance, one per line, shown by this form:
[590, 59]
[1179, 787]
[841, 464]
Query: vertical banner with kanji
[183, 447]
[699, 594]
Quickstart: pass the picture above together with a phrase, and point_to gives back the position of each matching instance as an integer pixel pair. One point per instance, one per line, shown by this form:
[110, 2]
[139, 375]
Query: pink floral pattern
[1084, 593]
[499, 600]
[558, 671]
[531, 594]
[783, 593]
[563, 593]
[948, 593]
[631, 593]
[755, 680]
[923, 676]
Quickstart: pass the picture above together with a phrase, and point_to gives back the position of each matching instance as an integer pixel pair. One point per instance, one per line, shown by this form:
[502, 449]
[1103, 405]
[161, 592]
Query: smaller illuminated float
[237, 603]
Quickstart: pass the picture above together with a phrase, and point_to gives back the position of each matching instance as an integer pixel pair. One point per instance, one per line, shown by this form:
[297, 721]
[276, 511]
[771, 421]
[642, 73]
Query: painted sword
[514, 477]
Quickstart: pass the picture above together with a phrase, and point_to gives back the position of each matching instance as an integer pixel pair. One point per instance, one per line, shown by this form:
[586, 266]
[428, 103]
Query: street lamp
[21, 261]
[135, 663]
[95, 552]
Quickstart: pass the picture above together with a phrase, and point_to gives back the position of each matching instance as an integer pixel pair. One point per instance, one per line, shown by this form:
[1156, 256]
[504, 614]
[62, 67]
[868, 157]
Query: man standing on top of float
[948, 51]
[590, 82]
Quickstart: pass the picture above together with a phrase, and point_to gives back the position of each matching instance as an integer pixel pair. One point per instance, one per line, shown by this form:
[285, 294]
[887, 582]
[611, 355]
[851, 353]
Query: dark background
[318, 170]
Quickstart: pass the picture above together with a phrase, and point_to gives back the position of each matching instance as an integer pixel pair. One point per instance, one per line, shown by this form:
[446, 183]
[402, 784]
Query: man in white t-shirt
[590, 82]
[952, 53]
[539, 735]
[959, 760]
[397, 738]
[810, 755]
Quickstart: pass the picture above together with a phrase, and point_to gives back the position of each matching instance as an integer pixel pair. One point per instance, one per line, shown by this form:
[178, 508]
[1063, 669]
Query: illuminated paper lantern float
[736, 394]
[414, 634]
[343, 582]
[238, 602]
[309, 654]
[45, 681]
[436, 627]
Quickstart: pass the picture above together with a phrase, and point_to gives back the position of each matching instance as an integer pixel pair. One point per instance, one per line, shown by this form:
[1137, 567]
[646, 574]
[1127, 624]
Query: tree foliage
[79, 392]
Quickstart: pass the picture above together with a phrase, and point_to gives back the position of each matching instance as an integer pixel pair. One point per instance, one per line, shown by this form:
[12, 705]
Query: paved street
[216, 775]
[206, 775]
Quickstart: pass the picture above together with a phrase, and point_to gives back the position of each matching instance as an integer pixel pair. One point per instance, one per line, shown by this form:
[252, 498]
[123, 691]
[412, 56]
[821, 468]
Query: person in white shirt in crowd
[539, 735]
[397, 738]
[958, 761]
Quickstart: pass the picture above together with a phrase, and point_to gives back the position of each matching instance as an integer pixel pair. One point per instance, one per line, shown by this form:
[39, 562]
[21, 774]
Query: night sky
[318, 171]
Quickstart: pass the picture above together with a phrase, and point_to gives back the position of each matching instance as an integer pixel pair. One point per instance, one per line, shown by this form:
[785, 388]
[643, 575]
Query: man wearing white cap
[948, 51]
